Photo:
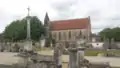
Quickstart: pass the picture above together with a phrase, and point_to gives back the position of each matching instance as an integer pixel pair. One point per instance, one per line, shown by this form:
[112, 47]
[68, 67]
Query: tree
[105, 33]
[1, 37]
[108, 33]
[17, 30]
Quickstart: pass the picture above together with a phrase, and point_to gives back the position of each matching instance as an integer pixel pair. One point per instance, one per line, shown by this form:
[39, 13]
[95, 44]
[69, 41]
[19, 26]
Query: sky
[103, 13]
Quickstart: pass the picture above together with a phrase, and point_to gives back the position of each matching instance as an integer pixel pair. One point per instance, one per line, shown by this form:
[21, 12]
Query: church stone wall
[64, 34]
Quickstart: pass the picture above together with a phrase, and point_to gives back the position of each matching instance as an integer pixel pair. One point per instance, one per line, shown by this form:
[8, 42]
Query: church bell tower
[47, 29]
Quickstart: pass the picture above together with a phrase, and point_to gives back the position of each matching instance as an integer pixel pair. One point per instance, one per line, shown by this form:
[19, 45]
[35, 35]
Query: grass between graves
[87, 52]
[96, 52]
[43, 49]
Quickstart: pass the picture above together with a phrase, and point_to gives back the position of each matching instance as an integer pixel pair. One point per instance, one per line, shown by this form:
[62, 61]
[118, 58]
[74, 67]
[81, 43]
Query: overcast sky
[104, 13]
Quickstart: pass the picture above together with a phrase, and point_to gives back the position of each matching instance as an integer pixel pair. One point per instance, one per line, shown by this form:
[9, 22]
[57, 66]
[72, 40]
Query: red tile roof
[81, 23]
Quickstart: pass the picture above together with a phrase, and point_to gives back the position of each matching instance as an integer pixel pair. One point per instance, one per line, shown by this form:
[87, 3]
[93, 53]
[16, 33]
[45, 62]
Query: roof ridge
[69, 19]
[80, 23]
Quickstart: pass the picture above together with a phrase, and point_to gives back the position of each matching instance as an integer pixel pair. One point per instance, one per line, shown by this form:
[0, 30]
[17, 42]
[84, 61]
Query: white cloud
[104, 13]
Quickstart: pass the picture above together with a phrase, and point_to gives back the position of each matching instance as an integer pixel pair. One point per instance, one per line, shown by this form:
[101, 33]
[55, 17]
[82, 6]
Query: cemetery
[73, 54]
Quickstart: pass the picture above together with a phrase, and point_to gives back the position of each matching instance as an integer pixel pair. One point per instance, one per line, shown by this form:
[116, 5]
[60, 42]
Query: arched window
[80, 33]
[64, 35]
[59, 35]
[75, 34]
[69, 35]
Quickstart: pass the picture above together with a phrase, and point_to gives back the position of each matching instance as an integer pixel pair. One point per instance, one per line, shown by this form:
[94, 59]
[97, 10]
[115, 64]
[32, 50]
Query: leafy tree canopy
[110, 33]
[17, 30]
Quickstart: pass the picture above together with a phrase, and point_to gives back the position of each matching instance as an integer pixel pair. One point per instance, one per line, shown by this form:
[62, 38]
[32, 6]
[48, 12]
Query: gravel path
[114, 61]
[8, 58]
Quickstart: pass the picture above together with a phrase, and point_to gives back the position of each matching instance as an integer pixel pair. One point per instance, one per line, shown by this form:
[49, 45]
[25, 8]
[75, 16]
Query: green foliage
[17, 30]
[110, 33]
[1, 36]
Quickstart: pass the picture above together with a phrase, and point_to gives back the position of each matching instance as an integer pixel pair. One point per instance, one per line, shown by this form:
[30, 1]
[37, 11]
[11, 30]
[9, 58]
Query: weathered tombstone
[72, 56]
[28, 46]
[53, 42]
[106, 44]
[42, 42]
[113, 45]
[80, 57]
[16, 47]
[58, 56]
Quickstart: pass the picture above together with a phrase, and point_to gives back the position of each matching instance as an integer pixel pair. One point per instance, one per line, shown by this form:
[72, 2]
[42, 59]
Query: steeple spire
[46, 19]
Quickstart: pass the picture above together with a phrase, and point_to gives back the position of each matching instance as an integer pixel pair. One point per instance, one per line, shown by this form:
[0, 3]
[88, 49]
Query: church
[68, 30]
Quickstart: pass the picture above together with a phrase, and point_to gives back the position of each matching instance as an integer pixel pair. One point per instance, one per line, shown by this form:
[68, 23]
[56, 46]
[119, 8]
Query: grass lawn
[43, 49]
[87, 52]
[96, 52]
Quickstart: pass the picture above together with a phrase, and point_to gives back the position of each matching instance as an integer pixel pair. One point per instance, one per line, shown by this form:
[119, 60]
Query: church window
[80, 33]
[69, 34]
[54, 35]
[64, 36]
[75, 34]
[59, 35]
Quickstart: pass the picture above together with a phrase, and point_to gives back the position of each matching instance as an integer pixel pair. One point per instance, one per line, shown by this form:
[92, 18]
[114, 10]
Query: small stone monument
[113, 45]
[72, 56]
[106, 44]
[28, 42]
[80, 57]
[58, 56]
[28, 49]
[42, 41]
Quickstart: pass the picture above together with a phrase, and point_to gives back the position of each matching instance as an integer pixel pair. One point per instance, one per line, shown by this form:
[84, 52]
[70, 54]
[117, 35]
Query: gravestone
[53, 42]
[106, 44]
[43, 61]
[113, 45]
[58, 56]
[72, 55]
[28, 45]
[42, 42]
[72, 58]
[80, 56]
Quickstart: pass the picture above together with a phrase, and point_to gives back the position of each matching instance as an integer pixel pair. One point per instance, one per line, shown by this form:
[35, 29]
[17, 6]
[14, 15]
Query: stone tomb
[43, 61]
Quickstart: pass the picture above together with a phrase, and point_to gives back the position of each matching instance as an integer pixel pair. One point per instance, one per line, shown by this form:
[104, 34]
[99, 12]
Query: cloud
[64, 8]
[103, 13]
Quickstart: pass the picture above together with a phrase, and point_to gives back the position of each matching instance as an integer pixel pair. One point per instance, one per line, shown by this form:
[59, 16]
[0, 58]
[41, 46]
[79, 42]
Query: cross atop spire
[28, 25]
